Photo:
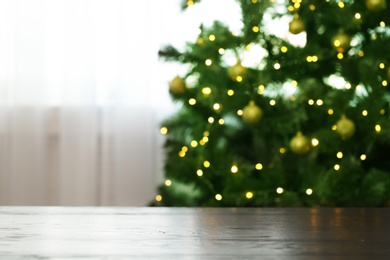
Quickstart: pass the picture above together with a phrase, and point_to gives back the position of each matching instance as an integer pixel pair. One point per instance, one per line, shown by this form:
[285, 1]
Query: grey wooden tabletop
[194, 233]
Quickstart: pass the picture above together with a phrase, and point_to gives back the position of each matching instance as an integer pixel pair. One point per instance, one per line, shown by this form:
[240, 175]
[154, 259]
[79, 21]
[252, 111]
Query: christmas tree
[307, 124]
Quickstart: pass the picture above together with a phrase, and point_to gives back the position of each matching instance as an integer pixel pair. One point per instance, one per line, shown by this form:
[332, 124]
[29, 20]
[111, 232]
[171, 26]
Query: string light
[168, 183]
[358, 16]
[363, 157]
[311, 58]
[340, 56]
[364, 112]
[382, 65]
[221, 121]
[378, 128]
[216, 106]
[230, 92]
[330, 111]
[382, 24]
[384, 83]
[277, 66]
[182, 154]
[249, 195]
[310, 102]
[206, 91]
[218, 197]
[279, 190]
[164, 130]
[259, 166]
[158, 198]
[221, 51]
[260, 90]
[282, 150]
[255, 29]
[199, 173]
[234, 169]
[272, 102]
[284, 49]
[309, 192]
[208, 62]
[194, 143]
[212, 37]
[210, 120]
[336, 167]
[206, 164]
[192, 101]
[339, 155]
[319, 102]
[315, 142]
[239, 112]
[341, 4]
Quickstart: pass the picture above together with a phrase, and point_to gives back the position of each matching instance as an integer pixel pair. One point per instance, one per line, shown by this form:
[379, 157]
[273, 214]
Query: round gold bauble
[252, 114]
[177, 86]
[296, 26]
[345, 127]
[341, 42]
[376, 5]
[300, 144]
[237, 72]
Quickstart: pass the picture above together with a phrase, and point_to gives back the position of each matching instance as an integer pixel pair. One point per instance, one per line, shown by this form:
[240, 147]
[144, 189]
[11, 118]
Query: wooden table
[194, 233]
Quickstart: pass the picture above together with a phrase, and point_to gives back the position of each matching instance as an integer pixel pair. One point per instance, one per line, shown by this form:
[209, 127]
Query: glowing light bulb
[158, 198]
[249, 195]
[206, 164]
[164, 130]
[259, 166]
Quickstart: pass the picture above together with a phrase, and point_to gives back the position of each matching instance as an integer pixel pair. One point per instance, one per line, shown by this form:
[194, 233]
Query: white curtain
[78, 111]
[82, 94]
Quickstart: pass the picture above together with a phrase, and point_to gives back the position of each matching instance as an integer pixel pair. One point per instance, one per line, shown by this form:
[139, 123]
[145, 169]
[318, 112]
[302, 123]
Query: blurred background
[82, 95]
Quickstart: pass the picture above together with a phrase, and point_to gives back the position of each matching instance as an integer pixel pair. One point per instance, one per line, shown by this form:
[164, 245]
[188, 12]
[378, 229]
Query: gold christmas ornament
[237, 72]
[177, 86]
[376, 5]
[300, 144]
[345, 127]
[342, 41]
[251, 114]
[296, 26]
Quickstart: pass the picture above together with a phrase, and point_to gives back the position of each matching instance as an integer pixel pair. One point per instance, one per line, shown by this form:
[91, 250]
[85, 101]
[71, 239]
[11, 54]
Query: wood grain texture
[194, 233]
